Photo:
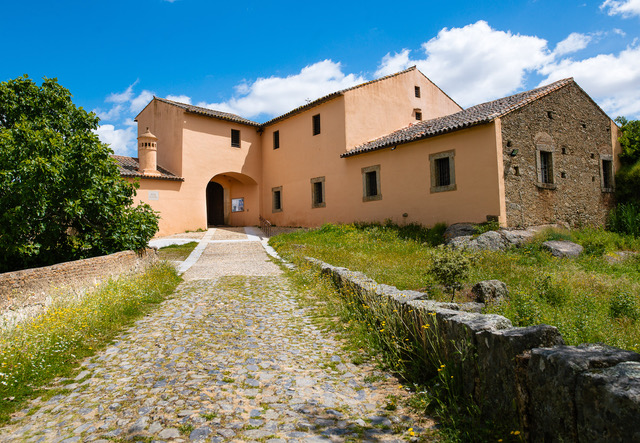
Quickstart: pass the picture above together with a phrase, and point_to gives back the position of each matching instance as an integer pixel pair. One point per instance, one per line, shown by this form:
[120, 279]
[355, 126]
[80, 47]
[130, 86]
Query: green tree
[61, 195]
[628, 177]
[450, 267]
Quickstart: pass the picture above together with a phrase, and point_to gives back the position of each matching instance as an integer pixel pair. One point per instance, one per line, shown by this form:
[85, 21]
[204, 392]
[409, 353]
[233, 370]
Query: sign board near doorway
[237, 204]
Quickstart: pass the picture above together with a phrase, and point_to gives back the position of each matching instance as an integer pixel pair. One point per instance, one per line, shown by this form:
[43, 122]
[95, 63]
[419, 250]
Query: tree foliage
[61, 195]
[628, 177]
[451, 268]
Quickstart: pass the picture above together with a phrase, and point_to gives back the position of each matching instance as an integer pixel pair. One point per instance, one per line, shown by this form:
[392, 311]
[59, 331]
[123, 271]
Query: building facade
[394, 148]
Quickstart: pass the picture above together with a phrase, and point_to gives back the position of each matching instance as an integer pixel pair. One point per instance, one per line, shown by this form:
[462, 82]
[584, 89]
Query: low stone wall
[523, 377]
[24, 288]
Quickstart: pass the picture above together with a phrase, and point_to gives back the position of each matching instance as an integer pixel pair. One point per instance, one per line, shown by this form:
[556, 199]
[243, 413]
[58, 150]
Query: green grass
[593, 298]
[51, 345]
[176, 252]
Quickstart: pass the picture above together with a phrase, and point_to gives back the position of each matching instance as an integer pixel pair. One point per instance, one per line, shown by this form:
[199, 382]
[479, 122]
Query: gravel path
[230, 357]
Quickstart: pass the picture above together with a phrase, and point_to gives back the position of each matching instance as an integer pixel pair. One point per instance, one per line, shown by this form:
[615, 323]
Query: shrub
[623, 304]
[450, 267]
[492, 225]
[625, 219]
[548, 291]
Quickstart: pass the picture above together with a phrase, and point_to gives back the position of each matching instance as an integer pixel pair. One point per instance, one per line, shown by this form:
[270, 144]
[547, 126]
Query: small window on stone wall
[606, 173]
[443, 176]
[545, 168]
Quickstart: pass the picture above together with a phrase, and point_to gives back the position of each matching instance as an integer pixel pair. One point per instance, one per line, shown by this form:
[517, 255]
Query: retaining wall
[523, 377]
[30, 286]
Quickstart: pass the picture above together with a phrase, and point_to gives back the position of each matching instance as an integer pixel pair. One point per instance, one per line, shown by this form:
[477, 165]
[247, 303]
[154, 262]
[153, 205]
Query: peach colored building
[394, 148]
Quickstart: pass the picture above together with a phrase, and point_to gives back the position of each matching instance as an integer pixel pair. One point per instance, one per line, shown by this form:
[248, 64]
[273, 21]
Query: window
[276, 198]
[316, 124]
[417, 91]
[276, 139]
[418, 115]
[317, 193]
[546, 167]
[443, 171]
[371, 183]
[235, 138]
[606, 173]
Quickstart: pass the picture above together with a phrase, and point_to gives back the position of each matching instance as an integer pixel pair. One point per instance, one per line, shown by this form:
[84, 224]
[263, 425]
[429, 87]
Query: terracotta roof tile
[475, 115]
[209, 112]
[129, 166]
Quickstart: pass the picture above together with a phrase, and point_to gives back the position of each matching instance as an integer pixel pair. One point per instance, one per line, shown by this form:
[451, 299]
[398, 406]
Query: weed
[50, 345]
[623, 304]
[186, 428]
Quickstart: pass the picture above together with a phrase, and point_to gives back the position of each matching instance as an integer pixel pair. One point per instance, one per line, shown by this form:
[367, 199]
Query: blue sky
[261, 59]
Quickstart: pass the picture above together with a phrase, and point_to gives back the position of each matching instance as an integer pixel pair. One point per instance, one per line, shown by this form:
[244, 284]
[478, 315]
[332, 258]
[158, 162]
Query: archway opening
[215, 204]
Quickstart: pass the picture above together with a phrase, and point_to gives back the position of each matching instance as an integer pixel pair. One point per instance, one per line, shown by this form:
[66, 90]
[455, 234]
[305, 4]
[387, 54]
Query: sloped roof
[209, 112]
[129, 166]
[331, 96]
[475, 115]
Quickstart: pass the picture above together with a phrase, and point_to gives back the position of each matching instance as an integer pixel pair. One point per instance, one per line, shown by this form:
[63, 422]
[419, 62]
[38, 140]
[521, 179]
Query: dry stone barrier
[526, 377]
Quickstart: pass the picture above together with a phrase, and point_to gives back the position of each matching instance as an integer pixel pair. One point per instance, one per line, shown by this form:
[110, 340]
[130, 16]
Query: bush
[623, 304]
[625, 219]
[450, 267]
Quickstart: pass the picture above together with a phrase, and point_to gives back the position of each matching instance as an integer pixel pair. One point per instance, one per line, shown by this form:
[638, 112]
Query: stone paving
[230, 357]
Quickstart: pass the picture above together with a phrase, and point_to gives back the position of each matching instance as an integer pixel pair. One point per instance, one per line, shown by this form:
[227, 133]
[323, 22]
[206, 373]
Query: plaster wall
[204, 152]
[570, 125]
[301, 157]
[165, 122]
[404, 176]
[381, 107]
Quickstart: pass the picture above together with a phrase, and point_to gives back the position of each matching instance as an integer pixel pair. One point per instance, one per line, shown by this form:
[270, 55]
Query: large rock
[489, 291]
[517, 237]
[609, 402]
[553, 377]
[490, 241]
[563, 248]
[459, 230]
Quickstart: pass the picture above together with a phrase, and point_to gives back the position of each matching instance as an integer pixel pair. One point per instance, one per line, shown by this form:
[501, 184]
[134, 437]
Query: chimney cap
[148, 135]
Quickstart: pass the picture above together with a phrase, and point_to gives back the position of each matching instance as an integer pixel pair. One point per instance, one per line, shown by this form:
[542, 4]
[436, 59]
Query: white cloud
[180, 98]
[394, 63]
[612, 80]
[122, 141]
[138, 103]
[619, 32]
[277, 95]
[111, 114]
[475, 63]
[626, 8]
[121, 97]
[573, 43]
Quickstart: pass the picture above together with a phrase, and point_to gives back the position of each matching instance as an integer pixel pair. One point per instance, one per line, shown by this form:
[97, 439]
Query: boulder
[489, 291]
[462, 242]
[563, 248]
[517, 237]
[458, 230]
[490, 241]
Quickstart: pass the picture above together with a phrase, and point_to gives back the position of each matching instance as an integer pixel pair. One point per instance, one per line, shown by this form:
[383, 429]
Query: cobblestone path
[227, 358]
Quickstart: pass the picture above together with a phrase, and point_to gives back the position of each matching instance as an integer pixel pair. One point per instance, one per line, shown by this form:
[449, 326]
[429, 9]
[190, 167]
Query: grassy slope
[589, 299]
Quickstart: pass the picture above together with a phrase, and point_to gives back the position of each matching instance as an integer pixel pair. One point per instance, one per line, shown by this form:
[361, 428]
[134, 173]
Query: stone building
[394, 148]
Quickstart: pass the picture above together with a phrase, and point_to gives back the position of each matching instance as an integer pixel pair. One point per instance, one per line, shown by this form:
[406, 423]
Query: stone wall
[522, 378]
[30, 286]
[571, 126]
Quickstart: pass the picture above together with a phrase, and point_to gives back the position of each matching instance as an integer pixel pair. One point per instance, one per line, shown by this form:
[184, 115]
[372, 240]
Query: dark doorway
[215, 204]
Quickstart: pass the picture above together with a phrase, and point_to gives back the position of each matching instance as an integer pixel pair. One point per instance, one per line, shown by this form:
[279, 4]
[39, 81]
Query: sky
[260, 59]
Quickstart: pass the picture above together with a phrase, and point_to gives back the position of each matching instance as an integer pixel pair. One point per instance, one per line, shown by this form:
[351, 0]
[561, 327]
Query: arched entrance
[215, 204]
